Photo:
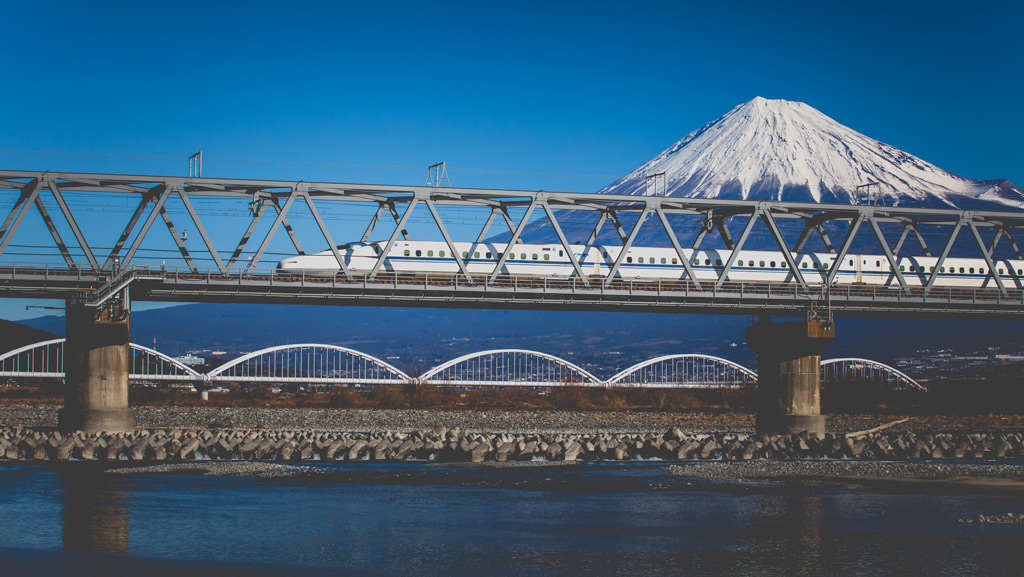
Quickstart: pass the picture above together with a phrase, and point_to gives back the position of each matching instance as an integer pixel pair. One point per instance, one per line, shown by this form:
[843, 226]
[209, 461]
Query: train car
[652, 263]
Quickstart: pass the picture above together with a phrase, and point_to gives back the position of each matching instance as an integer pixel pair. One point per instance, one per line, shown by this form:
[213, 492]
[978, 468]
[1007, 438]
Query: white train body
[651, 263]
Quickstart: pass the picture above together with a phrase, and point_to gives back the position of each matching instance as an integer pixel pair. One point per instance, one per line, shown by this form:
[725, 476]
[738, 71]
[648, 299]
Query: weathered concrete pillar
[789, 374]
[96, 367]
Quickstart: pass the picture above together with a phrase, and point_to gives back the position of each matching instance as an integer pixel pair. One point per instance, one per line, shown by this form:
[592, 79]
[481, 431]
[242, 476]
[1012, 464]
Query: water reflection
[95, 515]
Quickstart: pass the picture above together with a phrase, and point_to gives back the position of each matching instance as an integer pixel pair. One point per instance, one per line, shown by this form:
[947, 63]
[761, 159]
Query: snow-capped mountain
[781, 150]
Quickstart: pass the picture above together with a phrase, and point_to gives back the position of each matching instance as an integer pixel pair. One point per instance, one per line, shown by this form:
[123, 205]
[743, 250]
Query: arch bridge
[323, 364]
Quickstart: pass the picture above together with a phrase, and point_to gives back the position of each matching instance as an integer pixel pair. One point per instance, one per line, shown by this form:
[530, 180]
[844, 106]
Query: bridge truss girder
[400, 201]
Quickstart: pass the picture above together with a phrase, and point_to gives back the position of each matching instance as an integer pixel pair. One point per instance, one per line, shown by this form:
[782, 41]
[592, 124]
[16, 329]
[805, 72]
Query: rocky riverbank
[491, 421]
[455, 445]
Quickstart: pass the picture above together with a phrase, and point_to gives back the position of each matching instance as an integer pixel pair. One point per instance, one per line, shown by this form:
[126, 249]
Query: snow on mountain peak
[783, 150]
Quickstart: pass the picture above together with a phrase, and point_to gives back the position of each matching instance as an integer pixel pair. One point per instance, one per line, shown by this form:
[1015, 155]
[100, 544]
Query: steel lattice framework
[689, 370]
[859, 371]
[509, 367]
[334, 365]
[309, 363]
[238, 274]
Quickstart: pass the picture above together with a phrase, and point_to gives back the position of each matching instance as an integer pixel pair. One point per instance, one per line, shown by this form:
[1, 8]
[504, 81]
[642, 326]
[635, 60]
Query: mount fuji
[782, 150]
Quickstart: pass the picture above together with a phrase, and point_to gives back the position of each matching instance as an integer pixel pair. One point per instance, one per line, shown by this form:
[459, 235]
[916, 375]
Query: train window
[419, 253]
[675, 261]
[805, 264]
[489, 255]
[816, 265]
[430, 253]
[718, 262]
[547, 257]
[739, 263]
[561, 253]
[851, 262]
[440, 253]
[629, 259]
[878, 263]
[981, 270]
[961, 270]
[707, 261]
[476, 255]
[464, 254]
[932, 270]
[772, 264]
[511, 256]
[605, 254]
[1000, 271]
[942, 269]
[1020, 272]
[901, 268]
[522, 256]
[971, 270]
[663, 261]
[535, 257]
[406, 252]
[640, 260]
[911, 268]
[762, 263]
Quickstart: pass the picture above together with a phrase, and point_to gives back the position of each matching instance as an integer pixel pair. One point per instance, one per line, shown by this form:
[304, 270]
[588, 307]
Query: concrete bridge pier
[789, 374]
[96, 367]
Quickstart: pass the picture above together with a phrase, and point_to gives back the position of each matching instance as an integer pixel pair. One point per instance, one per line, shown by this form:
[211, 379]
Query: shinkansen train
[654, 263]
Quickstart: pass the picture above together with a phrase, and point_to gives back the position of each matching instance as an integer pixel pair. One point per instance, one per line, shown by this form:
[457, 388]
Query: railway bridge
[91, 240]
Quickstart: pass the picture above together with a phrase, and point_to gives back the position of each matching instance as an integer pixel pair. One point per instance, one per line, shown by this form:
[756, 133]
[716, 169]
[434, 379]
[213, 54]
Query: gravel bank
[769, 470]
[489, 421]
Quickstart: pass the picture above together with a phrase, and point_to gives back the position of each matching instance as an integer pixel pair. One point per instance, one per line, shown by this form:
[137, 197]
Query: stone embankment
[454, 445]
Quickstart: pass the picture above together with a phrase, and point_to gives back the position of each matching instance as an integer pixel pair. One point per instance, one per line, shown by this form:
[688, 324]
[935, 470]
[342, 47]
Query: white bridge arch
[309, 363]
[686, 370]
[854, 369]
[46, 360]
[509, 367]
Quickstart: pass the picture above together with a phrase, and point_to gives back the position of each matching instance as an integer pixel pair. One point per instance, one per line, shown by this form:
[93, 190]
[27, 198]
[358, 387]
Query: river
[426, 519]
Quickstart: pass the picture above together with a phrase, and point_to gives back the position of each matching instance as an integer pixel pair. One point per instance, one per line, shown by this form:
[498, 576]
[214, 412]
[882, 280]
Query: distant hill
[14, 335]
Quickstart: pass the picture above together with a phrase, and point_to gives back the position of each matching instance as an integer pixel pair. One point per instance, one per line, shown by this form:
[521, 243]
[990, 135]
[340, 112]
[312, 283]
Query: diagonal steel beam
[1013, 245]
[920, 240]
[70, 218]
[679, 250]
[260, 210]
[63, 248]
[847, 242]
[618, 225]
[394, 215]
[178, 241]
[597, 229]
[724, 231]
[903, 236]
[158, 197]
[893, 263]
[287, 226]
[626, 245]
[373, 222]
[327, 235]
[281, 212]
[943, 255]
[448, 240]
[988, 258]
[565, 244]
[995, 241]
[825, 239]
[512, 241]
[487, 225]
[399, 228]
[29, 193]
[735, 253]
[766, 216]
[202, 231]
[805, 234]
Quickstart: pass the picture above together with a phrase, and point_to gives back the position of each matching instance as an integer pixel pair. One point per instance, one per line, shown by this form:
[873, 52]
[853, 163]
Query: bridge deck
[441, 290]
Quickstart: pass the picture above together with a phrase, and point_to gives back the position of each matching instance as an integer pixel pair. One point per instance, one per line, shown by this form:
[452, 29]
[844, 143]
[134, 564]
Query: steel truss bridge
[319, 364]
[84, 270]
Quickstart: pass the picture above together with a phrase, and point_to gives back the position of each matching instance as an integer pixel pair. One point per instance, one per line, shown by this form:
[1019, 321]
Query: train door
[860, 274]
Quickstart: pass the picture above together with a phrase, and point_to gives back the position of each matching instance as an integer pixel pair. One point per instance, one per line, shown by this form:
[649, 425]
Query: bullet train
[651, 263]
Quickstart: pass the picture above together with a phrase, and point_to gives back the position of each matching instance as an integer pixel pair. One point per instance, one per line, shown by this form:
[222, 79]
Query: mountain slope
[782, 150]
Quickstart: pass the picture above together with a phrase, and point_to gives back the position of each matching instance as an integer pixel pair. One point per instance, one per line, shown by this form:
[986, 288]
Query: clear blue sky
[583, 88]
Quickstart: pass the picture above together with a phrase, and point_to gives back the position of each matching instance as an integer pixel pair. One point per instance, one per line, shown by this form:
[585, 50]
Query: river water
[424, 519]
